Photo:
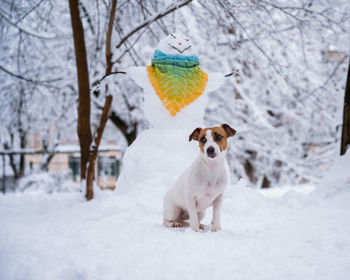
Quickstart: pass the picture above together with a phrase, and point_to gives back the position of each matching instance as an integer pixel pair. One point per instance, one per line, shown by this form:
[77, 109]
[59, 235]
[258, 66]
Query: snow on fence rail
[64, 149]
[58, 150]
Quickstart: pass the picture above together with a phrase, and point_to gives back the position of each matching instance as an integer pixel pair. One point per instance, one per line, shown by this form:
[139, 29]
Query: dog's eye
[203, 140]
[218, 137]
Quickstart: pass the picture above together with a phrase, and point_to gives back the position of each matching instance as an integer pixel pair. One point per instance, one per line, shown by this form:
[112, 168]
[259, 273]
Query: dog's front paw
[194, 227]
[215, 227]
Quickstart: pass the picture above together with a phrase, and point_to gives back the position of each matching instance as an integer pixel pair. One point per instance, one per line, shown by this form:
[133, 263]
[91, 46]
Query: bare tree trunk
[12, 161]
[13, 166]
[22, 157]
[345, 135]
[47, 157]
[93, 156]
[44, 165]
[22, 134]
[84, 129]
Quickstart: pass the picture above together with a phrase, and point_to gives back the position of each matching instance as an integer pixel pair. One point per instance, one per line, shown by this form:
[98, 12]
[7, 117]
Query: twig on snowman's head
[112, 73]
[95, 89]
[234, 73]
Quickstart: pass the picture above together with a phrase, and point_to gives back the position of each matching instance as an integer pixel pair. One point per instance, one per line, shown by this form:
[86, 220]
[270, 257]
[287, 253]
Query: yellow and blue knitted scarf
[177, 80]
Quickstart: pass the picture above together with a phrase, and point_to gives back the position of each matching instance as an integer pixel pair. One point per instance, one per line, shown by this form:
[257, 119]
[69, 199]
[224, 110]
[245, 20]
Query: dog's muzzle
[211, 152]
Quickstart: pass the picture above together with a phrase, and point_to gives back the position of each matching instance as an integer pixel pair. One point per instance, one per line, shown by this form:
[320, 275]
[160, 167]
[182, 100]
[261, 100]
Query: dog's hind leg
[171, 217]
[171, 213]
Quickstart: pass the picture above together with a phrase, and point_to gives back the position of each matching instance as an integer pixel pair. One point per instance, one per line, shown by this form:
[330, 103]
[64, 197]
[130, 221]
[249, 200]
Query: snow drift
[297, 235]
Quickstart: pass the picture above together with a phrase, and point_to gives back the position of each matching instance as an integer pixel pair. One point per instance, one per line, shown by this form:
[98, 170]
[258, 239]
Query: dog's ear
[228, 129]
[195, 134]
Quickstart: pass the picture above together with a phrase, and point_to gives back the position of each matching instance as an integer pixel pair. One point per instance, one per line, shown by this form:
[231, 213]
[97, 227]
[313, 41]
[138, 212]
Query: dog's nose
[211, 151]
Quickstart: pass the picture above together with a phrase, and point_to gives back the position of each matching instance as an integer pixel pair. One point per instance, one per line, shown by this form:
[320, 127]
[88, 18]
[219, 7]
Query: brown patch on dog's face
[221, 133]
[202, 138]
[220, 137]
[199, 135]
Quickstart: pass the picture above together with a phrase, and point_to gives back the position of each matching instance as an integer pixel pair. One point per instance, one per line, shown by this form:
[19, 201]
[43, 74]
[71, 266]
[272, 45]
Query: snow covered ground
[302, 233]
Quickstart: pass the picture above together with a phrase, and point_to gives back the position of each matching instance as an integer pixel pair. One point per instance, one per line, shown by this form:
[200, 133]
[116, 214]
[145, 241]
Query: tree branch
[109, 53]
[29, 11]
[94, 152]
[28, 79]
[28, 32]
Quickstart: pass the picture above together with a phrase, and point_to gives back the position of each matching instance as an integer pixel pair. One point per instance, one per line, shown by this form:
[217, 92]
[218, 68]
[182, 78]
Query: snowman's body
[162, 152]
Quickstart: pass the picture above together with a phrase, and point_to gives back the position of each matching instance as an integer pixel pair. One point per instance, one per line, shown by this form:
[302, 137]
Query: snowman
[175, 96]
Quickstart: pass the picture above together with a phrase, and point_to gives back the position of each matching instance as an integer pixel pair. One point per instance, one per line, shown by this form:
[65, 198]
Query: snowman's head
[176, 44]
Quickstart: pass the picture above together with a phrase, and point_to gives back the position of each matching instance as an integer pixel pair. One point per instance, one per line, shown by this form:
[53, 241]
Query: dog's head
[213, 140]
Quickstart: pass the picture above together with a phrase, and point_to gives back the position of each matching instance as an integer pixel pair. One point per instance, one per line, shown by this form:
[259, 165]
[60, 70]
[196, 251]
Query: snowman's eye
[186, 40]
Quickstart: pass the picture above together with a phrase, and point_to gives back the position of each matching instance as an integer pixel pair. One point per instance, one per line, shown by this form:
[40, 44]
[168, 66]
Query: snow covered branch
[41, 82]
[41, 35]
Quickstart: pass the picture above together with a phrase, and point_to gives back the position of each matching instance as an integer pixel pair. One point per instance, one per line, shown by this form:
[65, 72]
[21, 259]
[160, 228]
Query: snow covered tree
[34, 85]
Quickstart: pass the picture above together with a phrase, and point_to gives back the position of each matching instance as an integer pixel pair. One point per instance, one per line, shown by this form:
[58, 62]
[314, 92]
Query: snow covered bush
[48, 183]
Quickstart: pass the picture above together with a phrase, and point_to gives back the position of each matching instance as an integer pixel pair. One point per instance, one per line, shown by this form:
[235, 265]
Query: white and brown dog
[202, 184]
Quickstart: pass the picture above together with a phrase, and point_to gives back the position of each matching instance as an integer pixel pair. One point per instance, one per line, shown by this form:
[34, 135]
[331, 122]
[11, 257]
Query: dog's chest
[208, 192]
